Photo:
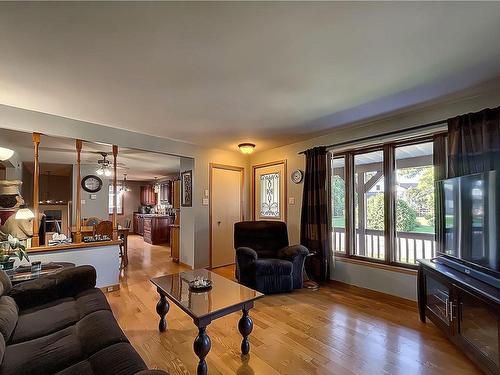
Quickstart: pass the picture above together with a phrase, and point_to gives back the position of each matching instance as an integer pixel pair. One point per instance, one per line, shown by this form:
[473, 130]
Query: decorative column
[115, 193]
[78, 205]
[35, 240]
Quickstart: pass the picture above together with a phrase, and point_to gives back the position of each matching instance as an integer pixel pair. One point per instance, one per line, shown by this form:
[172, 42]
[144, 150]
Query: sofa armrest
[66, 283]
[290, 252]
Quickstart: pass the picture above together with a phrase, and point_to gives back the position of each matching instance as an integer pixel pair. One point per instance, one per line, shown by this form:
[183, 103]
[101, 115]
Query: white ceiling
[222, 73]
[139, 165]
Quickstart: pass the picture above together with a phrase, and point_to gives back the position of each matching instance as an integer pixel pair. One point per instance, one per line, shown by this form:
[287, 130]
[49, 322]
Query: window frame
[389, 170]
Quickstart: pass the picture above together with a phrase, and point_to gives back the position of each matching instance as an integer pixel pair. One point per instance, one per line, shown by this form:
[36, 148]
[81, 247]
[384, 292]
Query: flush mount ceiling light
[5, 153]
[246, 148]
[104, 166]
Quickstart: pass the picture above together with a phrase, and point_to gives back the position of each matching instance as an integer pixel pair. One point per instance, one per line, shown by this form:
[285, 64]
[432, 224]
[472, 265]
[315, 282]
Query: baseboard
[373, 294]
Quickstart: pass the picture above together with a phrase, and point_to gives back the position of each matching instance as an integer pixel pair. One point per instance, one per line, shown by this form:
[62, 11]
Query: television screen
[471, 213]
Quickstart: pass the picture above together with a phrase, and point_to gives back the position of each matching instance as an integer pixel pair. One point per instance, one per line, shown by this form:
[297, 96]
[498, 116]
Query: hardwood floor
[336, 330]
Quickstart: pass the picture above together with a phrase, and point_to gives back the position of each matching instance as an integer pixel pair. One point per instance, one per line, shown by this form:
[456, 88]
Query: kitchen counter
[155, 228]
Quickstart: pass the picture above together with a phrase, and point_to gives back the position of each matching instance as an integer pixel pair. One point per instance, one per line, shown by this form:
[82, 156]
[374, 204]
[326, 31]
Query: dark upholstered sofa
[61, 324]
[264, 259]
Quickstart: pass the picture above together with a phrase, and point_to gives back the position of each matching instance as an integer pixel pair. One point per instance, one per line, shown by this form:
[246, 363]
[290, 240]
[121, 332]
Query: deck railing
[410, 245]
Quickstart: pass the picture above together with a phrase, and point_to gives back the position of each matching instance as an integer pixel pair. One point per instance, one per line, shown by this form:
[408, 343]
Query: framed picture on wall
[187, 189]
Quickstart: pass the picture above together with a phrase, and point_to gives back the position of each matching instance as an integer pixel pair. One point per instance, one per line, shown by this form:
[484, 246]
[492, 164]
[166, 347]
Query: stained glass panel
[270, 195]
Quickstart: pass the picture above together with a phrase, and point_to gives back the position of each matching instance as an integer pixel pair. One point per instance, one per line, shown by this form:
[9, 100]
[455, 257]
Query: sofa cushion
[117, 359]
[65, 348]
[5, 283]
[8, 316]
[51, 317]
[273, 267]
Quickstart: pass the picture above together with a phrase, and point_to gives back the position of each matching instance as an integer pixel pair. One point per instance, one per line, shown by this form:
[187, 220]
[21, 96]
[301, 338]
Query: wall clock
[91, 184]
[297, 176]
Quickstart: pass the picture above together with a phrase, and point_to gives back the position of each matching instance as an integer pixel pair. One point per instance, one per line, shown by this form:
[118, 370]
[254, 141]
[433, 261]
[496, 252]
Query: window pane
[338, 204]
[415, 232]
[369, 204]
[119, 208]
[270, 195]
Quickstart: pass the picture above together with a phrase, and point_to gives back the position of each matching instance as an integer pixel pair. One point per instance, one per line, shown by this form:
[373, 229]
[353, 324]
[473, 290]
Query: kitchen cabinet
[465, 309]
[148, 195]
[165, 189]
[157, 228]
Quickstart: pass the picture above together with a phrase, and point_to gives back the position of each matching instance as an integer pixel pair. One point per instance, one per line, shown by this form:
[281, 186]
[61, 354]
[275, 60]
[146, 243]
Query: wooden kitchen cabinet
[148, 195]
[157, 228]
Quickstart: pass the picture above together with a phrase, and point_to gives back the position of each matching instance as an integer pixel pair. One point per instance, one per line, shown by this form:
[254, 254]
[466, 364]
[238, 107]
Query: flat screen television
[471, 216]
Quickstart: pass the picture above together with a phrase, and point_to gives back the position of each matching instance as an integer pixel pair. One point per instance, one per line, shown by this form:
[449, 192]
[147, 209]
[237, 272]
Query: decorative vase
[7, 265]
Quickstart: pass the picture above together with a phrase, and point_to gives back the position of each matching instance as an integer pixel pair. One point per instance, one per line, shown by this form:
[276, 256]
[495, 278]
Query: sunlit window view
[369, 204]
[415, 217]
[338, 204]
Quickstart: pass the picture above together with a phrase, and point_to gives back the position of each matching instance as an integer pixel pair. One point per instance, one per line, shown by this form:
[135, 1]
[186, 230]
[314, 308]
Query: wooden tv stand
[465, 309]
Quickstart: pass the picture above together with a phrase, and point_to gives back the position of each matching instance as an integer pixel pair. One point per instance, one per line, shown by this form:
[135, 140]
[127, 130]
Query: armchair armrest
[290, 252]
[151, 372]
[297, 255]
[245, 255]
[66, 283]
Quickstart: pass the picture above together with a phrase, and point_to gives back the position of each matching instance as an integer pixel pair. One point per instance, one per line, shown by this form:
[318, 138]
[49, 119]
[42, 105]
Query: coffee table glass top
[224, 293]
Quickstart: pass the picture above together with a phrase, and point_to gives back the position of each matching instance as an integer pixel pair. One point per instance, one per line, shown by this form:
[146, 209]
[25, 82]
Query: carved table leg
[245, 326]
[162, 308]
[201, 346]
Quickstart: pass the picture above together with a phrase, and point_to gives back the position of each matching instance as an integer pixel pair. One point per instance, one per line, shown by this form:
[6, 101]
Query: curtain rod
[394, 132]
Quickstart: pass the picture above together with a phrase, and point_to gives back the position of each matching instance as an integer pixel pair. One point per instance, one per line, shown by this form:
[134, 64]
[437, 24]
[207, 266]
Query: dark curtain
[314, 217]
[474, 143]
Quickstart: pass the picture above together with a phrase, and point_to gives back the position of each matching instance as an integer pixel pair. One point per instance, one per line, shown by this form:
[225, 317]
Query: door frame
[285, 186]
[213, 166]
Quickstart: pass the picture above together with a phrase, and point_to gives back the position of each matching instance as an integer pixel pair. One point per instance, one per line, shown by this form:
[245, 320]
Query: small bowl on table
[200, 284]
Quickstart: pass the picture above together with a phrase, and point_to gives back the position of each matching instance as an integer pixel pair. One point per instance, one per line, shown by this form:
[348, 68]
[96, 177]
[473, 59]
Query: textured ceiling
[221, 73]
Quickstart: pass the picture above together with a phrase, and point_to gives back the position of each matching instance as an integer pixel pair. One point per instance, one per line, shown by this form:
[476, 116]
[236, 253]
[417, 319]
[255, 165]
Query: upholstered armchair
[264, 259]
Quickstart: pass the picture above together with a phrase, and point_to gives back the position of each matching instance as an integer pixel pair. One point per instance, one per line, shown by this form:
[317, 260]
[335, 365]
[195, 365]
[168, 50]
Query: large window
[369, 204]
[382, 203]
[414, 219]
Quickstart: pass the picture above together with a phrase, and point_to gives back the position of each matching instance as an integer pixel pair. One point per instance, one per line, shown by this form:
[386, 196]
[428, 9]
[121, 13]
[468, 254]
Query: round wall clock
[297, 176]
[91, 184]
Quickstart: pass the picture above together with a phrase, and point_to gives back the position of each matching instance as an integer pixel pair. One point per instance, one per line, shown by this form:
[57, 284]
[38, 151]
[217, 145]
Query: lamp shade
[24, 214]
[5, 153]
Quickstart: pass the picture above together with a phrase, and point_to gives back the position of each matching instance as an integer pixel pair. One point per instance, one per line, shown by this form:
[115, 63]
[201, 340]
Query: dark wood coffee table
[224, 298]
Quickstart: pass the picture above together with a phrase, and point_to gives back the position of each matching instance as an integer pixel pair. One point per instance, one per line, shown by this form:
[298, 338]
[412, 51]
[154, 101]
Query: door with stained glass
[269, 192]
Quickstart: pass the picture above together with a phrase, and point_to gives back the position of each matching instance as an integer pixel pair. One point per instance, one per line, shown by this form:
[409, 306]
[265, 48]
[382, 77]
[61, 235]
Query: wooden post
[78, 205]
[35, 240]
[115, 193]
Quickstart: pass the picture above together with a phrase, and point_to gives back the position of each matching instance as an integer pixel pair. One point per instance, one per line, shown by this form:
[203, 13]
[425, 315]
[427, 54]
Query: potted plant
[14, 249]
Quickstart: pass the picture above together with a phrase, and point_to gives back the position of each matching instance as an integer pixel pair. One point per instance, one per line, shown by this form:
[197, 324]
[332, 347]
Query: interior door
[226, 210]
[269, 191]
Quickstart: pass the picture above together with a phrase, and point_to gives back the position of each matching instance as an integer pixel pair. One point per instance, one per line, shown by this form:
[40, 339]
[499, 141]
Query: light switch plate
[206, 193]
[83, 201]
[205, 201]
[291, 200]
[93, 196]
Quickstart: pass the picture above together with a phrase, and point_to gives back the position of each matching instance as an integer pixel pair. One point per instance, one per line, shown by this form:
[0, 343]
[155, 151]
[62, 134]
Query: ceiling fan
[104, 164]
